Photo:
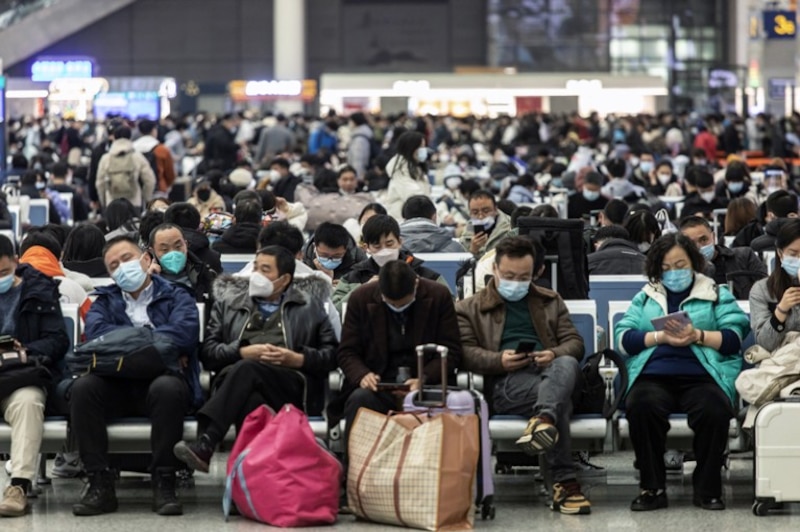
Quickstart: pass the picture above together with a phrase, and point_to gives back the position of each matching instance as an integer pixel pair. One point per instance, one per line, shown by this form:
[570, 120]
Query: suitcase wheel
[762, 508]
[487, 511]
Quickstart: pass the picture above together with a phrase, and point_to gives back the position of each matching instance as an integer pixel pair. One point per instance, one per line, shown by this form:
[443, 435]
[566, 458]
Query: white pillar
[289, 34]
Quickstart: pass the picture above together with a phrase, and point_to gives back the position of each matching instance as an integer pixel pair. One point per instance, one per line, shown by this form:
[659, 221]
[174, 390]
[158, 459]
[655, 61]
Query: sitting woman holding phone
[774, 300]
[686, 363]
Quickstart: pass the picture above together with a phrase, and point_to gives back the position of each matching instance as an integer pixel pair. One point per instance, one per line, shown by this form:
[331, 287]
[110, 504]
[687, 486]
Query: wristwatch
[702, 337]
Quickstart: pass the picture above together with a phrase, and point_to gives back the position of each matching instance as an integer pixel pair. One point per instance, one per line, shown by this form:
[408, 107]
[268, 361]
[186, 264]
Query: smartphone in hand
[479, 228]
[524, 347]
[681, 317]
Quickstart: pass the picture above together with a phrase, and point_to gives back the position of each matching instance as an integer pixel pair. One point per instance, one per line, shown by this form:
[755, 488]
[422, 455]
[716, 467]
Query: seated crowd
[351, 294]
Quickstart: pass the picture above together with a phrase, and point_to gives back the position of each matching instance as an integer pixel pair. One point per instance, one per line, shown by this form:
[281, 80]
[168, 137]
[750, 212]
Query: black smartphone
[526, 347]
[479, 228]
[393, 387]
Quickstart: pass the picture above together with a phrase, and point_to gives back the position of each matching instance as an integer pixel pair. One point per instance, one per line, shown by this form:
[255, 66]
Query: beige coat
[144, 175]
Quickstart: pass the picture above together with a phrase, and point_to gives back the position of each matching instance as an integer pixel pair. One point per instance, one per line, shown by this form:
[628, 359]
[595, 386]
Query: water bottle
[403, 374]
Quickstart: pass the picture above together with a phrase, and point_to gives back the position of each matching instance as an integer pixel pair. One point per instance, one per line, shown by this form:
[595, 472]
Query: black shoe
[709, 503]
[196, 455]
[649, 500]
[98, 496]
[165, 500]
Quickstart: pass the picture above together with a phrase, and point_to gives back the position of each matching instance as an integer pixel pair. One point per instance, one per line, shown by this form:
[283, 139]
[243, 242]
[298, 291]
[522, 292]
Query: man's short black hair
[59, 169]
[358, 118]
[615, 210]
[57, 231]
[281, 233]
[782, 203]
[332, 235]
[703, 178]
[159, 228]
[478, 194]
[7, 248]
[397, 280]
[379, 226]
[593, 178]
[517, 247]
[149, 221]
[616, 167]
[122, 132]
[611, 231]
[694, 221]
[248, 211]
[662, 245]
[146, 127]
[184, 215]
[280, 161]
[284, 259]
[118, 240]
[40, 238]
[418, 207]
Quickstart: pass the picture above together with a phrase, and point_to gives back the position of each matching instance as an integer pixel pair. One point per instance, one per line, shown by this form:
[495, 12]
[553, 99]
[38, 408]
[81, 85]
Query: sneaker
[649, 500]
[67, 465]
[14, 503]
[99, 496]
[584, 467]
[196, 455]
[709, 503]
[540, 435]
[165, 499]
[568, 499]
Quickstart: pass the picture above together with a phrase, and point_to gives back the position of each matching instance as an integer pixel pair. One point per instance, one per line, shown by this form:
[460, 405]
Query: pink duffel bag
[279, 474]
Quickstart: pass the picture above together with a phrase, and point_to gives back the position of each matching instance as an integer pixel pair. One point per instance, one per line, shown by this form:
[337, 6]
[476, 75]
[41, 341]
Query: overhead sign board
[241, 90]
[780, 24]
[52, 69]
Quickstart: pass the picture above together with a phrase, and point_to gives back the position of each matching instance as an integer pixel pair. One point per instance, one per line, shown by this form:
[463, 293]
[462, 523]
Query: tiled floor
[519, 506]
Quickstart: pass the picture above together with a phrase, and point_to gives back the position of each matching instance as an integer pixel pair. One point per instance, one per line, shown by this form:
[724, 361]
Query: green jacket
[710, 308]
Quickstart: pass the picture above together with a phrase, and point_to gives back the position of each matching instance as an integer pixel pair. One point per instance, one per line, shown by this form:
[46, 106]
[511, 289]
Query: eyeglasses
[478, 212]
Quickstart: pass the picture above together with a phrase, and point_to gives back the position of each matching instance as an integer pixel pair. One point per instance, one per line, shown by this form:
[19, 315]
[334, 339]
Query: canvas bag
[413, 470]
[279, 474]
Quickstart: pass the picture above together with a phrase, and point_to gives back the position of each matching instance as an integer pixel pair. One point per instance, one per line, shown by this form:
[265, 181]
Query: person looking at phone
[775, 301]
[488, 225]
[31, 325]
[686, 363]
[521, 337]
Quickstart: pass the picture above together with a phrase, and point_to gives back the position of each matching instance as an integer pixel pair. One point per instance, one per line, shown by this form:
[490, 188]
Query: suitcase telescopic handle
[440, 350]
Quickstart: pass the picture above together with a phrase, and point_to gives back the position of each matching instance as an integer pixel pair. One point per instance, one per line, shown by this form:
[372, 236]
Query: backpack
[280, 474]
[152, 161]
[597, 394]
[564, 239]
[374, 147]
[121, 176]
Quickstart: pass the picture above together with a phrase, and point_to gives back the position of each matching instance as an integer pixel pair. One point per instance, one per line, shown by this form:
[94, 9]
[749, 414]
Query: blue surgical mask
[130, 276]
[40, 185]
[173, 262]
[6, 283]
[591, 195]
[677, 280]
[329, 264]
[736, 187]
[513, 290]
[791, 265]
[646, 167]
[707, 251]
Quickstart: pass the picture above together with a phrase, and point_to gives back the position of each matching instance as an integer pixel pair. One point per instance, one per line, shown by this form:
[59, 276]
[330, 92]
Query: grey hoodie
[421, 235]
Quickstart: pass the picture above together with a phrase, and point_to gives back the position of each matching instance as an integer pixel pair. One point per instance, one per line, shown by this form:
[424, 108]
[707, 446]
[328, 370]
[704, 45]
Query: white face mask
[385, 255]
[260, 286]
[708, 197]
[664, 179]
[274, 175]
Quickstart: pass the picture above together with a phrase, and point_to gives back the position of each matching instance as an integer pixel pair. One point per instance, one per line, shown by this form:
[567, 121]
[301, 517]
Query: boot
[165, 500]
[98, 496]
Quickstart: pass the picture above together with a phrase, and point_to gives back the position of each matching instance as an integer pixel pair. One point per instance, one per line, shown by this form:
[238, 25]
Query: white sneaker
[8, 467]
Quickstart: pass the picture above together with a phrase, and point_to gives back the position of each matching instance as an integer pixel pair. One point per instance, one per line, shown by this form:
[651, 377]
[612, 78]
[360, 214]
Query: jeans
[535, 391]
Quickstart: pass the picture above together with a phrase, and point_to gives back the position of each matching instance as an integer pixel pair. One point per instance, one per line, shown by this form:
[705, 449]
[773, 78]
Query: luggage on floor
[777, 455]
[279, 474]
[463, 402]
[414, 469]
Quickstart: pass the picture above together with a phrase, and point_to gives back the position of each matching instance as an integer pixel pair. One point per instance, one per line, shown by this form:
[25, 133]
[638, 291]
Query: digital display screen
[127, 104]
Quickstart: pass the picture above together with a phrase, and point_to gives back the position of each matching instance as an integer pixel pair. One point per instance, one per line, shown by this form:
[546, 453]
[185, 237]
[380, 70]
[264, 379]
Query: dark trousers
[650, 402]
[244, 387]
[381, 402]
[95, 400]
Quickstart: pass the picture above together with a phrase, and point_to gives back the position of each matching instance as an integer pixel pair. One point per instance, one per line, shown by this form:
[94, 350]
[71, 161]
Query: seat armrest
[336, 380]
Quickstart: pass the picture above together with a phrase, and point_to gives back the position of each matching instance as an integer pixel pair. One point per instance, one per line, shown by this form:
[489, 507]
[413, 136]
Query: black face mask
[204, 194]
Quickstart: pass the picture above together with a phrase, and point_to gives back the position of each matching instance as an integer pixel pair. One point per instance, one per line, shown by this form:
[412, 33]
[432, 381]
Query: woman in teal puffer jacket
[689, 368]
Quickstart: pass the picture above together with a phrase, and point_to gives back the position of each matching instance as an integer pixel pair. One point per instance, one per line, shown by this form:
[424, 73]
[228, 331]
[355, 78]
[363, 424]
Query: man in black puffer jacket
[242, 236]
[616, 254]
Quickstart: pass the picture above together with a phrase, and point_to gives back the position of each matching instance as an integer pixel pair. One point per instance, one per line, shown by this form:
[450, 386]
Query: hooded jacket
[617, 256]
[305, 324]
[421, 235]
[403, 185]
[173, 312]
[766, 242]
[165, 166]
[144, 176]
[710, 308]
[353, 256]
[238, 238]
[70, 291]
[738, 265]
[199, 245]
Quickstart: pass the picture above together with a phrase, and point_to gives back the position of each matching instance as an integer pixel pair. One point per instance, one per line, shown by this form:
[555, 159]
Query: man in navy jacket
[137, 299]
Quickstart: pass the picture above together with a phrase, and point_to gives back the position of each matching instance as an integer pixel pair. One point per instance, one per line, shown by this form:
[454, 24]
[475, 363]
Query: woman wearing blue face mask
[774, 301]
[681, 368]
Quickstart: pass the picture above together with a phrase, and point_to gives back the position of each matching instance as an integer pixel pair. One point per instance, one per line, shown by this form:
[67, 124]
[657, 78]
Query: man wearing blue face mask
[175, 263]
[384, 323]
[740, 266]
[521, 338]
[137, 300]
[590, 199]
